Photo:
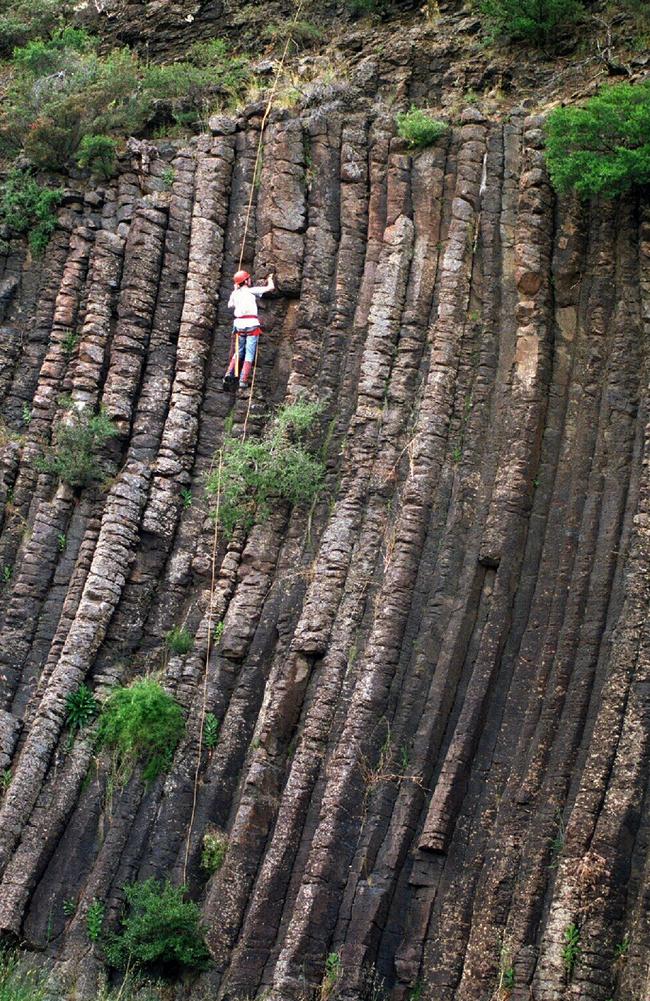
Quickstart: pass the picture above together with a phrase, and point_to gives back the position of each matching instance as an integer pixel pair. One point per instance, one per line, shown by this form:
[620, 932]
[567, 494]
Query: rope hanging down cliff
[215, 538]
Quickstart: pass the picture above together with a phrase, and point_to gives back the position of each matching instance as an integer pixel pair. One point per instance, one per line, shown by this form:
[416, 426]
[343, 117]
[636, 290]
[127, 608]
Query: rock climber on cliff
[243, 300]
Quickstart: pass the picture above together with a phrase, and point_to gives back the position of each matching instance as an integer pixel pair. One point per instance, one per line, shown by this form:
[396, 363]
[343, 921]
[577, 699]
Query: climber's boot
[245, 375]
[230, 382]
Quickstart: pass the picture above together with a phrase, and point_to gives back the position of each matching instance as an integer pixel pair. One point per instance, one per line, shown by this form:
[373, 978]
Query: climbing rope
[265, 116]
[215, 537]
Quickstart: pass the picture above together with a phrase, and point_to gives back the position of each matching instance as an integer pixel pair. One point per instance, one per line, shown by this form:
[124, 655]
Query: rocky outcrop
[432, 688]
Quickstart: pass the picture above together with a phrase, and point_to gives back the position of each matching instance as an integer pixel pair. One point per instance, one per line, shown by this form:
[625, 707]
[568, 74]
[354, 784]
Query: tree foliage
[27, 207]
[602, 146]
[62, 89]
[22, 20]
[540, 22]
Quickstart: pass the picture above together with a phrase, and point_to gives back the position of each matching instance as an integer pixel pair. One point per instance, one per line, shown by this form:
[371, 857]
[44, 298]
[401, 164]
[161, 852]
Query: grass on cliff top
[601, 147]
[259, 472]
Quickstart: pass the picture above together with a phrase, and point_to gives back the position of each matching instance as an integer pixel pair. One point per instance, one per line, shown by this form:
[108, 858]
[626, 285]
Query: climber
[243, 300]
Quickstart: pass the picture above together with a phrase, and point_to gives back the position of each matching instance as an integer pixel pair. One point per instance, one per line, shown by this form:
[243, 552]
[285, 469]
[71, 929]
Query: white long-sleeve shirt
[244, 302]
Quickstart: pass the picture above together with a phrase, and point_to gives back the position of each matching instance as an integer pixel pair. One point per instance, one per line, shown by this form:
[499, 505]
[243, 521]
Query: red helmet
[240, 277]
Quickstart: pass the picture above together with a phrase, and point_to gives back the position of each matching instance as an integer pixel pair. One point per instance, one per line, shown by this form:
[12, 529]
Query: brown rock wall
[432, 688]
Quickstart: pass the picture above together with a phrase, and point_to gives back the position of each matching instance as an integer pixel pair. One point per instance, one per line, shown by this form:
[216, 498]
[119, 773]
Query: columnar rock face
[434, 687]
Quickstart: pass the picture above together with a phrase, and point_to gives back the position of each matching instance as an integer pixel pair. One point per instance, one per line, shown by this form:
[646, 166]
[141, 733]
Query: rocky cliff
[433, 688]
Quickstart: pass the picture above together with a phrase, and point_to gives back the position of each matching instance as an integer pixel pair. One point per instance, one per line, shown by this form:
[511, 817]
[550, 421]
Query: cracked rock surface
[433, 688]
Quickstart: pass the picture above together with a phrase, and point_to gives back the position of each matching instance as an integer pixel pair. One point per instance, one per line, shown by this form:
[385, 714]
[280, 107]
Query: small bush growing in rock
[97, 153]
[210, 731]
[95, 920]
[179, 640]
[333, 971]
[69, 343]
[418, 128]
[258, 472]
[27, 207]
[571, 949]
[601, 147]
[141, 722]
[81, 708]
[161, 930]
[540, 22]
[213, 853]
[78, 440]
[168, 177]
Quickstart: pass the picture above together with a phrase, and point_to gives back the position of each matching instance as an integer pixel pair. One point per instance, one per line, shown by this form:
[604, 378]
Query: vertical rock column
[197, 322]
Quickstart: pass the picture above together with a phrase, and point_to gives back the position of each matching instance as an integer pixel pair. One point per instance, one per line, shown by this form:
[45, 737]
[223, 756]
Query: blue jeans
[247, 352]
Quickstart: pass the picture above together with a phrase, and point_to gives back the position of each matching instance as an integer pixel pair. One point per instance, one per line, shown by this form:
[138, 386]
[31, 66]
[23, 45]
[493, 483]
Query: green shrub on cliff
[97, 153]
[161, 931]
[601, 147]
[261, 471]
[22, 20]
[141, 722]
[78, 440]
[81, 707]
[61, 89]
[27, 207]
[540, 22]
[418, 128]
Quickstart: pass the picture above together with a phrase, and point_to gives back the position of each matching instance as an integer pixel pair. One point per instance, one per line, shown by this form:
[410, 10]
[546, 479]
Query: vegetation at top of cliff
[22, 20]
[278, 466]
[601, 147]
[27, 207]
[78, 440]
[418, 128]
[302, 34]
[62, 90]
[367, 8]
[161, 930]
[540, 22]
[141, 722]
[98, 154]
